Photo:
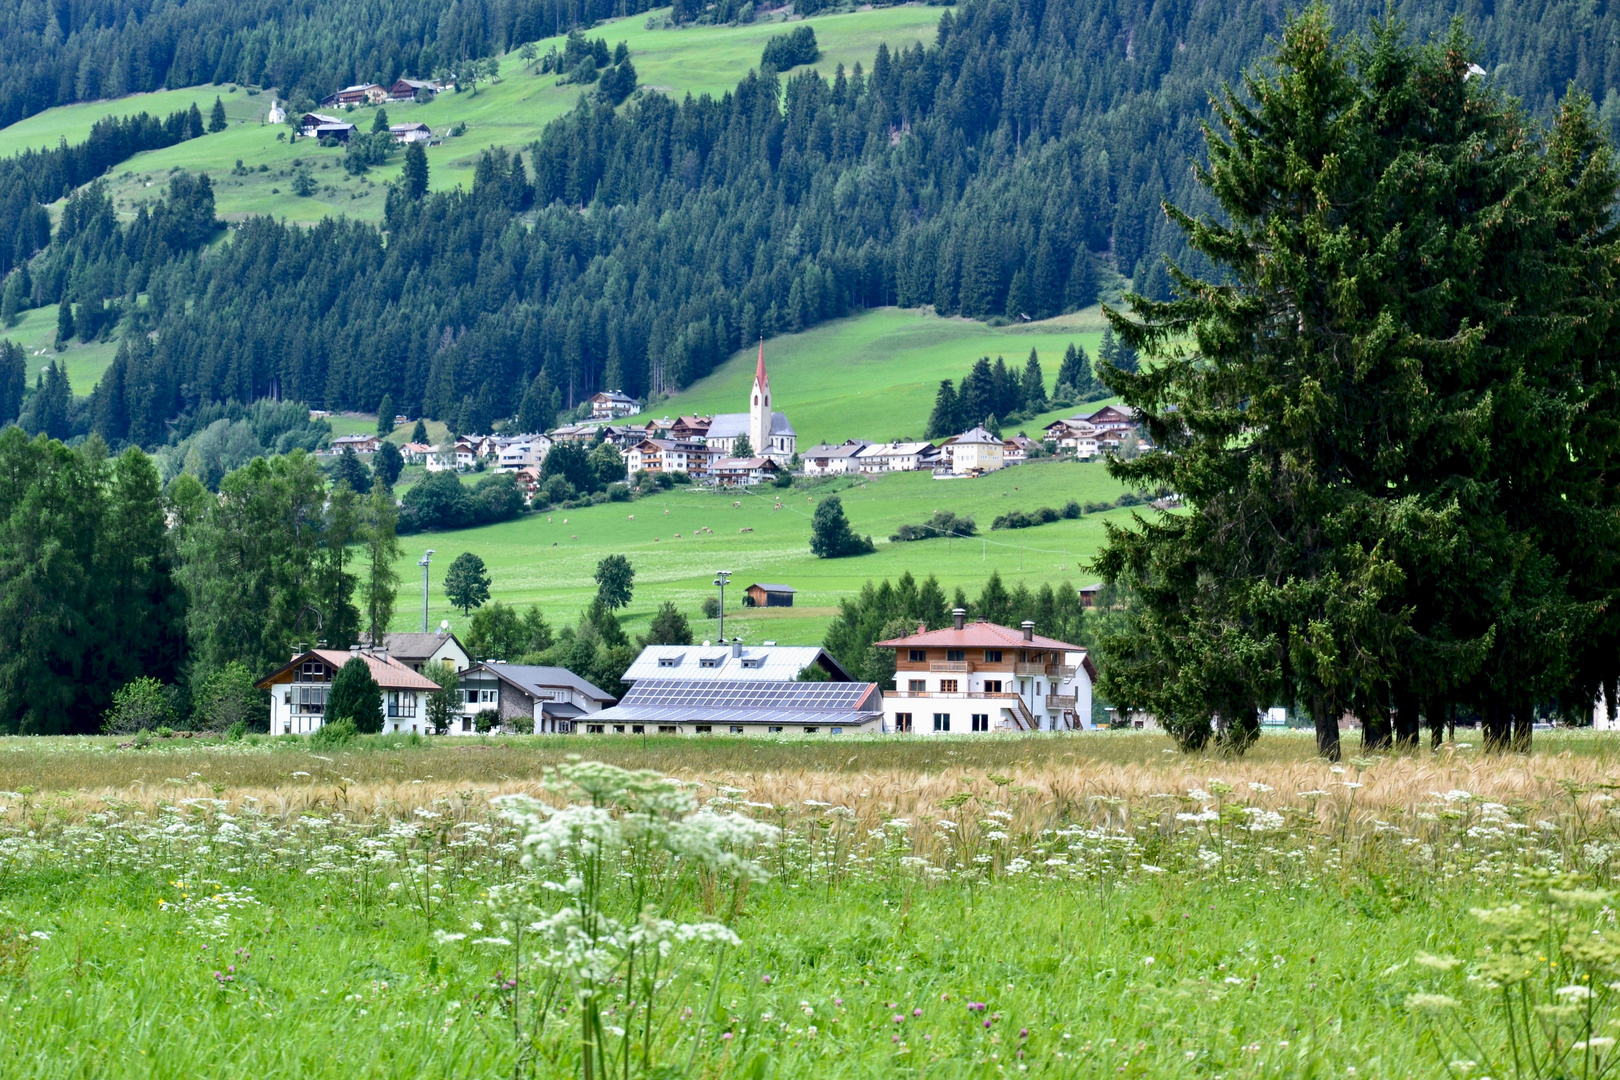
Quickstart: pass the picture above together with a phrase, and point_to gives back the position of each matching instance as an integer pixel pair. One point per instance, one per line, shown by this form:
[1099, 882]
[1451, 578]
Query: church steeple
[759, 410]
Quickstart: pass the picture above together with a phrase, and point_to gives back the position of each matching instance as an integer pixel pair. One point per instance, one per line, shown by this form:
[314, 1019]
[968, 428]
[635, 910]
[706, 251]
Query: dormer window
[754, 662]
[669, 661]
[709, 662]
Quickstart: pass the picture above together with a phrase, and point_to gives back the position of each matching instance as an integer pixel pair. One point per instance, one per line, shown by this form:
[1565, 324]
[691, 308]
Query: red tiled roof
[389, 673]
[978, 635]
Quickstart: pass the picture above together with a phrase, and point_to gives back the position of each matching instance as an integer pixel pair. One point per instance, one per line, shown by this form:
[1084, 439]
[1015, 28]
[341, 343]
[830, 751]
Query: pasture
[1064, 906]
[677, 539]
[510, 113]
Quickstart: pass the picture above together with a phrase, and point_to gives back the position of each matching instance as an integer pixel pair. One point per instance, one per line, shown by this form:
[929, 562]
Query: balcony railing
[962, 666]
[1060, 701]
[1032, 669]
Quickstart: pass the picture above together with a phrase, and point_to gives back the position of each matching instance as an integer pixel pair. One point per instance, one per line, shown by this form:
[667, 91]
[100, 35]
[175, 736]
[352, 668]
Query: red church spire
[759, 370]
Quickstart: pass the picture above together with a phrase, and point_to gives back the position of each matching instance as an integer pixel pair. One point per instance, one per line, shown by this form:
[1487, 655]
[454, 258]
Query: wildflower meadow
[1059, 906]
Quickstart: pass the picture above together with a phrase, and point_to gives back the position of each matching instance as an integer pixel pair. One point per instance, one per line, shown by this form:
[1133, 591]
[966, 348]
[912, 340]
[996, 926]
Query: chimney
[736, 646]
[354, 650]
[959, 617]
[300, 649]
[1029, 630]
[922, 628]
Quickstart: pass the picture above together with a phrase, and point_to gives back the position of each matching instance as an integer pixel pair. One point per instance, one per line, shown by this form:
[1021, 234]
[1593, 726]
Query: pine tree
[946, 418]
[216, 117]
[415, 174]
[349, 469]
[11, 301]
[355, 696]
[387, 464]
[379, 122]
[830, 534]
[380, 585]
[537, 413]
[419, 433]
[385, 417]
[1020, 300]
[194, 122]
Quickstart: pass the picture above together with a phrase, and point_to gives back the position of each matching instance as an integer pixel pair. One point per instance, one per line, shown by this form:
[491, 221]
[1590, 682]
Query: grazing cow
[736, 504]
[745, 530]
[632, 517]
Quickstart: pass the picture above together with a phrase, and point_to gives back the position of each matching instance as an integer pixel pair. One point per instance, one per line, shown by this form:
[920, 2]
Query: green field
[510, 113]
[43, 131]
[36, 333]
[969, 907]
[874, 375]
[549, 558]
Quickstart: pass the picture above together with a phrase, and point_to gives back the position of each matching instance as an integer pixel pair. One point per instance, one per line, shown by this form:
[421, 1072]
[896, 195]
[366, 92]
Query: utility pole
[426, 561]
[721, 578]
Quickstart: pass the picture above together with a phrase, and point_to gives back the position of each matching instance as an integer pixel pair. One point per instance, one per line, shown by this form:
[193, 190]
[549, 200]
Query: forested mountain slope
[1001, 170]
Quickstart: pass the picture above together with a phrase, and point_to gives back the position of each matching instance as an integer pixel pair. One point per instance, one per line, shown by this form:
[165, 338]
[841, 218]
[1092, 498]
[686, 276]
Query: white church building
[769, 433]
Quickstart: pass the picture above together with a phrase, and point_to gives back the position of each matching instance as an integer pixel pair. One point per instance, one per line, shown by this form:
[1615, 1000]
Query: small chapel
[769, 433]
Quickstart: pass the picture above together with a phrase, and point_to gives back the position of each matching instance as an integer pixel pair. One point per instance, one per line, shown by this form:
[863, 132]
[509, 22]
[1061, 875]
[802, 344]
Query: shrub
[227, 698]
[139, 705]
[486, 721]
[335, 733]
[943, 523]
[711, 607]
[790, 50]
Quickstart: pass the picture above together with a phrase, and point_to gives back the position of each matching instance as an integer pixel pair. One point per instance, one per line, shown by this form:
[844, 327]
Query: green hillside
[549, 558]
[874, 375]
[510, 113]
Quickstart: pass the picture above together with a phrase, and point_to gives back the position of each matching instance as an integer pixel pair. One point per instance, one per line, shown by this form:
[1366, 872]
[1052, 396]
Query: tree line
[1391, 414]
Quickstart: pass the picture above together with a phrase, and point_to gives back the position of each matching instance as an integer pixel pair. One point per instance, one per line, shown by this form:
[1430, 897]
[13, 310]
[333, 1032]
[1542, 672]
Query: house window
[837, 731]
[703, 729]
[992, 686]
[955, 656]
[981, 721]
[736, 729]
[774, 729]
[992, 656]
[668, 729]
[947, 686]
[902, 721]
[594, 729]
[307, 700]
[638, 729]
[919, 656]
[402, 703]
[755, 663]
[811, 730]
[618, 729]
[709, 662]
[917, 686]
[942, 721]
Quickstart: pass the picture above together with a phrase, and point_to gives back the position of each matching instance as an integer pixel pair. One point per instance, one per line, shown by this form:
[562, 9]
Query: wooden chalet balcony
[1032, 669]
[1060, 701]
[961, 666]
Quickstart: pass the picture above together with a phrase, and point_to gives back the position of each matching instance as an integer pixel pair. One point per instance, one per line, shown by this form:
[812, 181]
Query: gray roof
[730, 425]
[772, 588]
[773, 662]
[409, 647]
[977, 435]
[531, 679]
[759, 701]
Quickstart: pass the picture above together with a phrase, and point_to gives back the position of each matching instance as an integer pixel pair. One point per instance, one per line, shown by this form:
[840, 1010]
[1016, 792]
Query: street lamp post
[426, 561]
[721, 578]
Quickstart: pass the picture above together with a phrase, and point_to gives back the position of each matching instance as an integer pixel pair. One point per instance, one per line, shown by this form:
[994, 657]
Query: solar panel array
[746, 694]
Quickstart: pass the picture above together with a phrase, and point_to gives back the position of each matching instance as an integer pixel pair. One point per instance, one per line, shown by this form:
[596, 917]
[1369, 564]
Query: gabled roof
[389, 673]
[976, 436]
[731, 425]
[531, 679]
[774, 701]
[613, 395]
[410, 647]
[772, 588]
[978, 635]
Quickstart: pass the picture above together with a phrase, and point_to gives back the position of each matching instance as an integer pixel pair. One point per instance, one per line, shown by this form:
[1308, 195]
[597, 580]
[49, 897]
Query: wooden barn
[758, 595]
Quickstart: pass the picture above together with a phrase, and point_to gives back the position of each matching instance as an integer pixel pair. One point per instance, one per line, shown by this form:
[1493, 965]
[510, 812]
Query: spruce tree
[946, 419]
[64, 323]
[355, 696]
[385, 417]
[216, 117]
[194, 122]
[11, 300]
[1034, 384]
[419, 433]
[415, 174]
[379, 122]
[387, 464]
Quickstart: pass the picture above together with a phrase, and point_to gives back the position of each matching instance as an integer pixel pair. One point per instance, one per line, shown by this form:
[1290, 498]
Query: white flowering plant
[592, 918]
[1549, 971]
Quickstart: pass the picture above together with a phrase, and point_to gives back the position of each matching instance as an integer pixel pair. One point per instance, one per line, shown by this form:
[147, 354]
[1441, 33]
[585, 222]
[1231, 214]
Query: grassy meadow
[677, 539]
[509, 113]
[1066, 906]
[874, 375]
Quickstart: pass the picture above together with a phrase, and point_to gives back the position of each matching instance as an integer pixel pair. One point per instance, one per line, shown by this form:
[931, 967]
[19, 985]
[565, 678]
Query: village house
[574, 433]
[612, 405]
[359, 94]
[1113, 423]
[1089, 594]
[690, 427]
[1015, 451]
[299, 691]
[409, 133]
[668, 456]
[522, 452]
[742, 707]
[983, 677]
[742, 472]
[360, 444]
[525, 698]
[769, 433]
[528, 479]
[416, 651]
[829, 460]
[893, 457]
[415, 453]
[320, 126]
[410, 89]
[731, 661]
[1075, 435]
[975, 452]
